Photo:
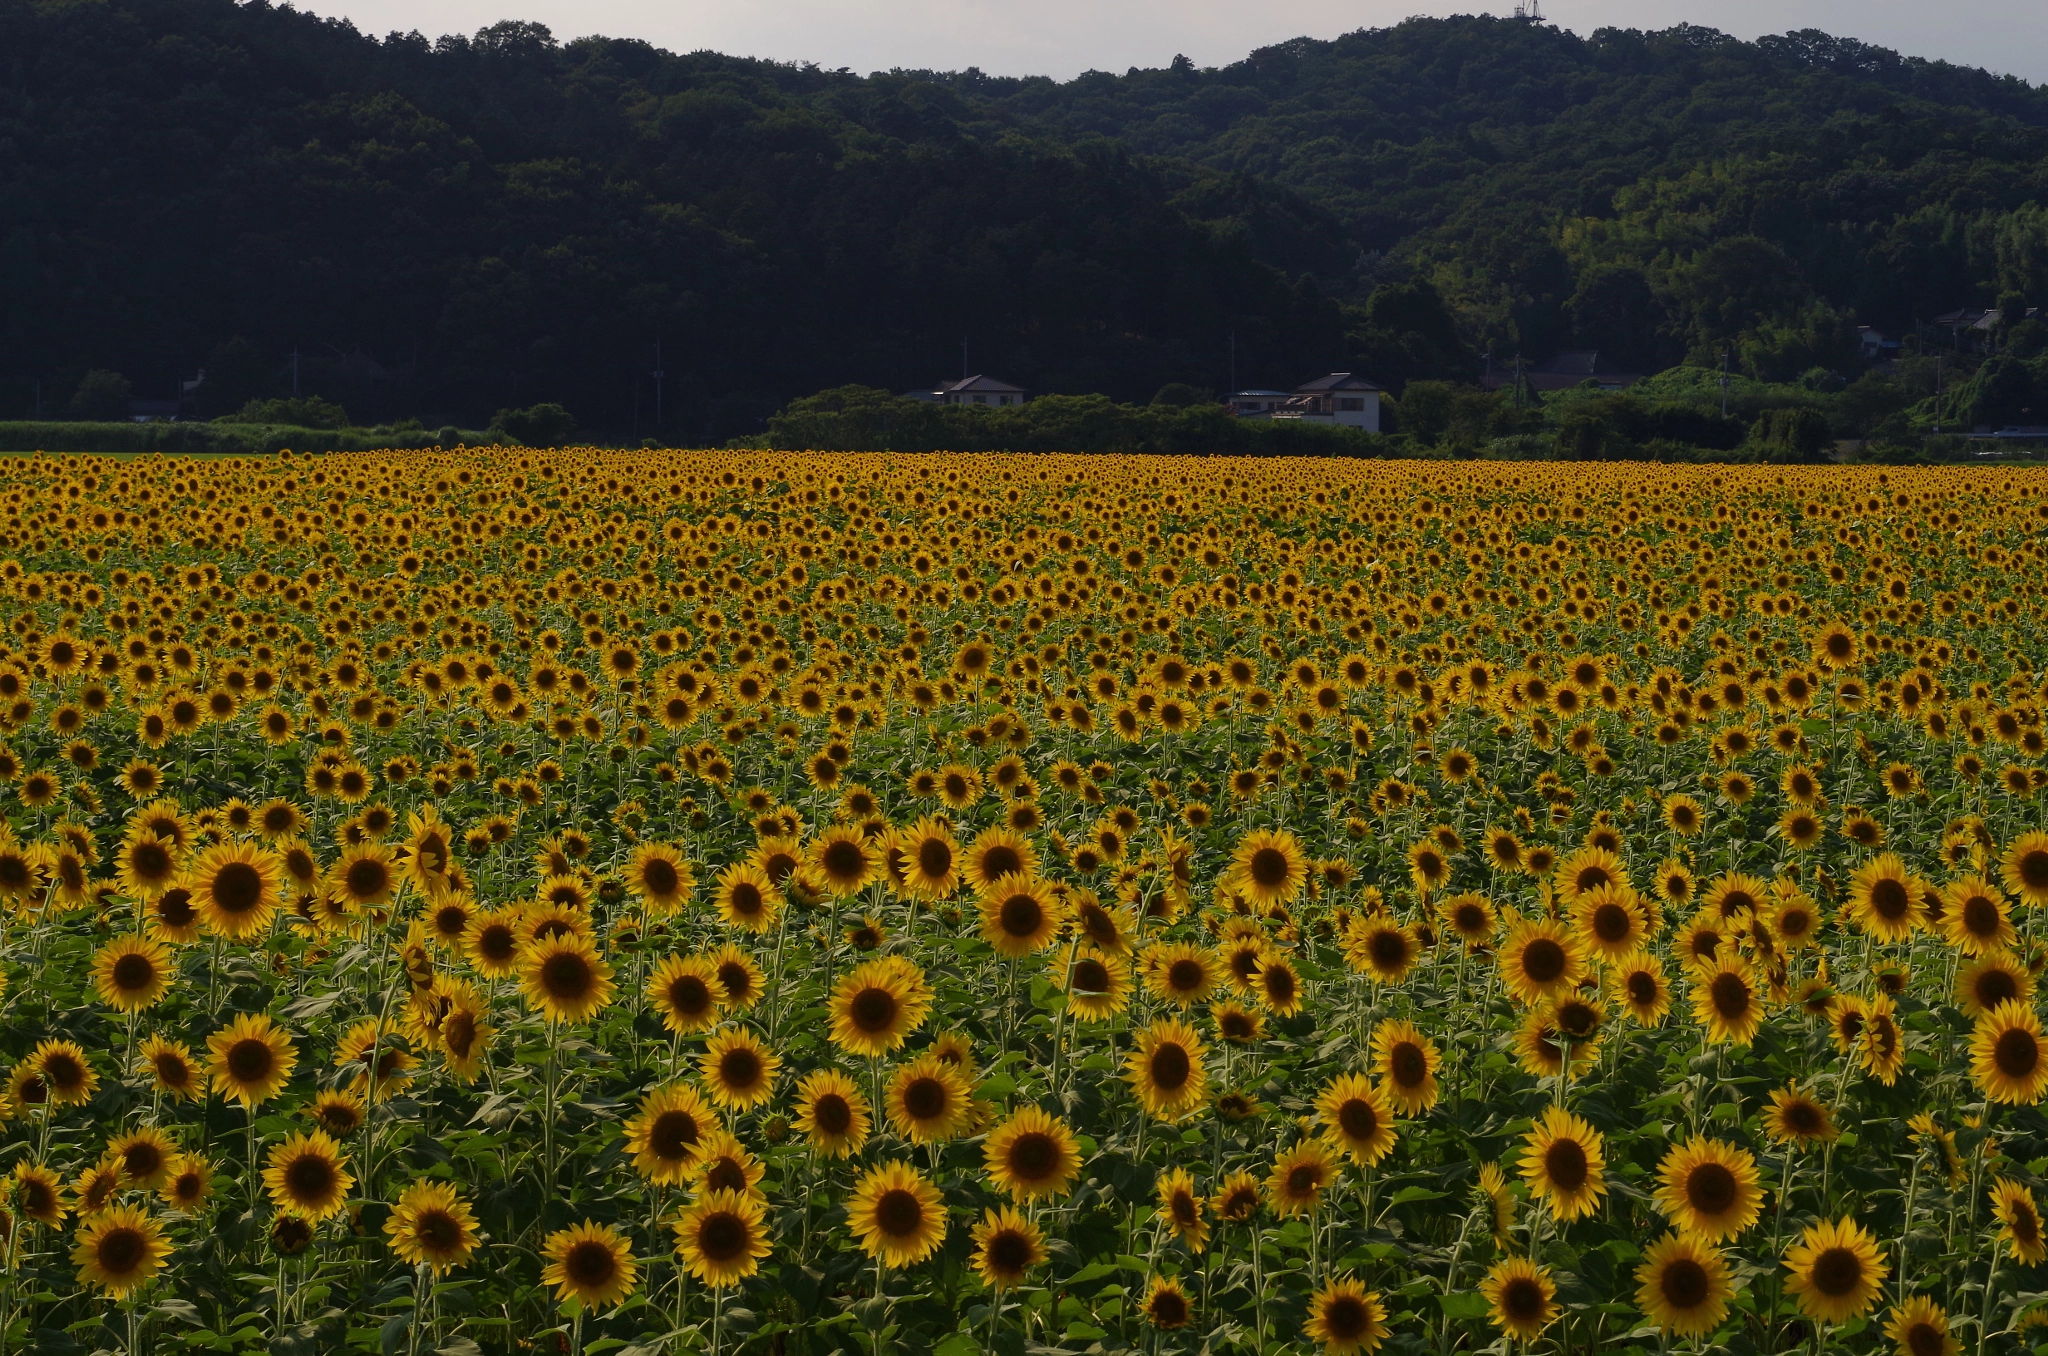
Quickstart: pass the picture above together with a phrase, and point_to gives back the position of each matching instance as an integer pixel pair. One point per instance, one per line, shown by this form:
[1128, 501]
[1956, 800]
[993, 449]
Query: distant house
[1255, 404]
[975, 390]
[1575, 367]
[1340, 398]
[1873, 346]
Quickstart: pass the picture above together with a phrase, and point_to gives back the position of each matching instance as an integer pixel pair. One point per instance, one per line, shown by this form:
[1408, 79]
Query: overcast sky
[1061, 38]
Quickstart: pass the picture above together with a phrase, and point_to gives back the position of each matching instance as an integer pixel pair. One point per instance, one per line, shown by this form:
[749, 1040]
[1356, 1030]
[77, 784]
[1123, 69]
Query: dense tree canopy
[445, 228]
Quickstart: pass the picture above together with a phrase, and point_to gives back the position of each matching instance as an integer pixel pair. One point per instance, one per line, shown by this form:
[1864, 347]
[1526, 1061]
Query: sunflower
[1097, 985]
[1611, 919]
[1406, 1061]
[1539, 959]
[1355, 1114]
[1974, 917]
[379, 1060]
[686, 991]
[1836, 1270]
[1920, 1327]
[1990, 980]
[142, 1157]
[172, 917]
[931, 860]
[665, 1133]
[1006, 1247]
[741, 975]
[1884, 899]
[252, 1059]
[1347, 1318]
[1268, 867]
[2019, 1215]
[307, 1175]
[146, 865]
[898, 1216]
[1032, 1154]
[1166, 1069]
[1166, 1305]
[2024, 867]
[591, 1264]
[1725, 1000]
[39, 1193]
[1180, 973]
[739, 1068]
[188, 1183]
[998, 852]
[428, 852]
[1563, 1164]
[132, 974]
[1794, 921]
[1794, 1118]
[1520, 1298]
[1638, 979]
[832, 1113]
[431, 1226]
[1585, 871]
[928, 1100]
[1298, 1178]
[1709, 1189]
[172, 1069]
[1180, 1208]
[1835, 646]
[876, 1006]
[1471, 917]
[119, 1250]
[1020, 915]
[565, 978]
[843, 859]
[721, 1237]
[1684, 1285]
[363, 878]
[724, 1164]
[339, 1113]
[95, 1189]
[659, 875]
[746, 898]
[1882, 1048]
[2007, 1058]
[1382, 948]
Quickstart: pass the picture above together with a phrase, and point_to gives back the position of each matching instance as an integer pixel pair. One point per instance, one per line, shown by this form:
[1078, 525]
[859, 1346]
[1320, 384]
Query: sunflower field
[504, 901]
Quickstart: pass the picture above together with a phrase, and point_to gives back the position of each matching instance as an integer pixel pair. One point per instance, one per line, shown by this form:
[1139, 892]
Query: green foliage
[544, 425]
[101, 395]
[1181, 395]
[298, 412]
[868, 419]
[1792, 434]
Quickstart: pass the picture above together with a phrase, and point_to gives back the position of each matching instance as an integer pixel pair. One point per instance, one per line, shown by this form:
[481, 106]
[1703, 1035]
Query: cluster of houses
[1339, 398]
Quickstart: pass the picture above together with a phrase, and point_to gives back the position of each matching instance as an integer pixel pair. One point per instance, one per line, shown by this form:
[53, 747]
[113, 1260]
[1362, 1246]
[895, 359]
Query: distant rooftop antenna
[1531, 13]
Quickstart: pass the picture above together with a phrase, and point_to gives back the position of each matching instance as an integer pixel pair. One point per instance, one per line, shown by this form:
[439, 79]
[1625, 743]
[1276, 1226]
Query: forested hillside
[440, 228]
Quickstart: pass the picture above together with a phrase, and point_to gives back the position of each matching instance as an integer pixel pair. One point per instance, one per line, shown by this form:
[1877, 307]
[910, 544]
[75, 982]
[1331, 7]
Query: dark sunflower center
[746, 899]
[1091, 976]
[1408, 1064]
[1185, 976]
[1980, 917]
[133, 973]
[1034, 1157]
[1684, 1284]
[1008, 1252]
[120, 1251]
[590, 1264]
[437, 1230]
[1565, 1164]
[1889, 899]
[150, 861]
[366, 879]
[1358, 1119]
[2033, 869]
[1730, 996]
[1994, 987]
[1268, 868]
[1021, 915]
[310, 1178]
[934, 858]
[1001, 860]
[843, 860]
[1837, 1272]
[739, 1069]
[1543, 960]
[899, 1213]
[1346, 1318]
[722, 1236]
[1171, 1068]
[672, 1134]
[1710, 1188]
[659, 876]
[1521, 1299]
[926, 1098]
[1642, 987]
[251, 1060]
[873, 1009]
[832, 1114]
[1611, 923]
[2017, 1054]
[566, 976]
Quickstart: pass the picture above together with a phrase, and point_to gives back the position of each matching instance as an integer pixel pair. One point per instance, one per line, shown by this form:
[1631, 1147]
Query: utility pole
[1937, 393]
[658, 375]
